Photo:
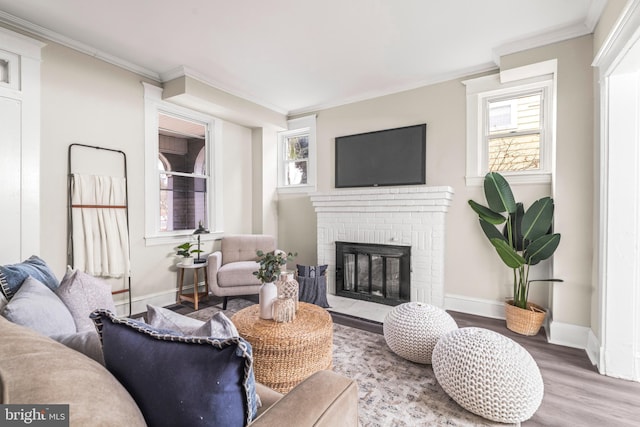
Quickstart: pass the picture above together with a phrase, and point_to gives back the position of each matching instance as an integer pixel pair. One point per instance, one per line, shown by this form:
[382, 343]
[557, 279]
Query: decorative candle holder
[288, 287]
[284, 310]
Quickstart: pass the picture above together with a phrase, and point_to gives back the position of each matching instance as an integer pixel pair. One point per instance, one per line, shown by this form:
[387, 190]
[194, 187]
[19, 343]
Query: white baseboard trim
[565, 334]
[568, 335]
[477, 306]
[160, 299]
[594, 351]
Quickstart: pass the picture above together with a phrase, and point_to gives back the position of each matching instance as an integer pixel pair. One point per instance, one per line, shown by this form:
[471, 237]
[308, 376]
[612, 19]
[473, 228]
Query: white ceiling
[298, 55]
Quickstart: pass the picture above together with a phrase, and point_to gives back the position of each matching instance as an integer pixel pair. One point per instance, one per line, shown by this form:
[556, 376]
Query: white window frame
[539, 76]
[154, 105]
[299, 126]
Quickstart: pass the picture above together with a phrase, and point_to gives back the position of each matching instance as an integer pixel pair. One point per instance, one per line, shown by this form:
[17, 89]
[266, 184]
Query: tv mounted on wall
[385, 157]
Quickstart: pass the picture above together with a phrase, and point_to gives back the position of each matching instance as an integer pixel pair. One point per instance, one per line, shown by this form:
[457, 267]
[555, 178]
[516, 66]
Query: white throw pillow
[82, 294]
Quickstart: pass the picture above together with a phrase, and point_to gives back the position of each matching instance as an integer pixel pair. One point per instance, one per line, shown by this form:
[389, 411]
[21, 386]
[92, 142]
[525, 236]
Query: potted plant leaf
[525, 240]
[186, 251]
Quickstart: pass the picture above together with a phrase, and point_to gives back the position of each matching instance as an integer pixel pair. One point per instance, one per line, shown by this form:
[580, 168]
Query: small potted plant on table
[186, 251]
[525, 240]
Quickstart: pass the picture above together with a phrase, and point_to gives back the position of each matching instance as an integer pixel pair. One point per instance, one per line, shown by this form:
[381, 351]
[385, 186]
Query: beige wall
[574, 179]
[88, 101]
[472, 269]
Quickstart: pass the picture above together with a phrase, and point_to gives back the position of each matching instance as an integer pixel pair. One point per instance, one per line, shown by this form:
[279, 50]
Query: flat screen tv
[385, 157]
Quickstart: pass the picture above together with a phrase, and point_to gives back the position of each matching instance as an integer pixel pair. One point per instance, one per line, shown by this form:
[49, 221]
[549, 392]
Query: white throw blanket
[100, 234]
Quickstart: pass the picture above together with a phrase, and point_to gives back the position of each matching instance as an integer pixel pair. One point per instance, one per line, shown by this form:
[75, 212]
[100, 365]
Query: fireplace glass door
[379, 273]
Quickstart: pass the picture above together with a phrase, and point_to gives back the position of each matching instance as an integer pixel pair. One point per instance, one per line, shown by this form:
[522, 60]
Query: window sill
[513, 178]
[176, 239]
[297, 189]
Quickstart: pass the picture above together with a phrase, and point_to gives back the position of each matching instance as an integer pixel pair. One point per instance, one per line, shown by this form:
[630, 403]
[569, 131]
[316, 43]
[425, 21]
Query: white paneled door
[10, 141]
[19, 146]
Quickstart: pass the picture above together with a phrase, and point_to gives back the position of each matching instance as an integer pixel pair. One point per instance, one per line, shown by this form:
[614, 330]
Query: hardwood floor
[575, 393]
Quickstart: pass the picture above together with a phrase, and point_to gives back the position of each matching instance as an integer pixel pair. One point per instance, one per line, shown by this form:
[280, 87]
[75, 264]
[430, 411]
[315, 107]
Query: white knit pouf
[488, 374]
[412, 329]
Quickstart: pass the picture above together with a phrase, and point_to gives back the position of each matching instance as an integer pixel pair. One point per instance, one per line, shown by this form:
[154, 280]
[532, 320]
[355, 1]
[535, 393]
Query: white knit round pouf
[412, 329]
[488, 374]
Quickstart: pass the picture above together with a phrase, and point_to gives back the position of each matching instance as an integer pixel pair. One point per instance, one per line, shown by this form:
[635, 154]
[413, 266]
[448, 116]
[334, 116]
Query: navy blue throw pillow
[12, 276]
[179, 380]
[311, 270]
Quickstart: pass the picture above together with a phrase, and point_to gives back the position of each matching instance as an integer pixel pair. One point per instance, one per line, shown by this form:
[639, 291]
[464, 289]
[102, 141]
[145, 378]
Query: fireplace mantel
[411, 216]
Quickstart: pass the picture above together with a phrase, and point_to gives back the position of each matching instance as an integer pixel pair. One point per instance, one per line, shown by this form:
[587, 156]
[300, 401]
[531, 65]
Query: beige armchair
[230, 270]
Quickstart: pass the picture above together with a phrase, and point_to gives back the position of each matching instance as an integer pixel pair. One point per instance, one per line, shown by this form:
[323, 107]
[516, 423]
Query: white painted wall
[88, 101]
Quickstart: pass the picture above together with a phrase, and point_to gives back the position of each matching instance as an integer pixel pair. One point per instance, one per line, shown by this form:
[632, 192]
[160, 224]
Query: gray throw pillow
[36, 306]
[163, 318]
[82, 294]
[219, 326]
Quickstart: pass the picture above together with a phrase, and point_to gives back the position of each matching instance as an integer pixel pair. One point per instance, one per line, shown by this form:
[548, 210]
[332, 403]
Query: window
[182, 183]
[296, 156]
[514, 133]
[182, 146]
[510, 124]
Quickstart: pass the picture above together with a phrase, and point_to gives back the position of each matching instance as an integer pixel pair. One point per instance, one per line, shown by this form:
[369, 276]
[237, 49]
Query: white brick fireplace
[407, 216]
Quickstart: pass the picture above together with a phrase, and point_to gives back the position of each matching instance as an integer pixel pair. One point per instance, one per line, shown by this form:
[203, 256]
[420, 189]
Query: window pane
[183, 155]
[517, 153]
[515, 115]
[297, 147]
[183, 202]
[295, 173]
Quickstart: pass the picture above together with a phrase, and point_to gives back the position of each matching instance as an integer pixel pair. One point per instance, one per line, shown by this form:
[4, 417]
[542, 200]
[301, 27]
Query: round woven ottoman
[412, 329]
[488, 374]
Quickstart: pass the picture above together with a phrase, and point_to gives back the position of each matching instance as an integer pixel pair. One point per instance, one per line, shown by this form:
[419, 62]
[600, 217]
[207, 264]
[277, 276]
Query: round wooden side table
[284, 354]
[195, 295]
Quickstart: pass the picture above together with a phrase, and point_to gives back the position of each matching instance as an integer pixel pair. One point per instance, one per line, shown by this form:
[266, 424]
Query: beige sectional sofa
[35, 369]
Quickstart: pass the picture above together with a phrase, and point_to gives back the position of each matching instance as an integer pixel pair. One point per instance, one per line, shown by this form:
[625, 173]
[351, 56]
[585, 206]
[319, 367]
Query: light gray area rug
[392, 390]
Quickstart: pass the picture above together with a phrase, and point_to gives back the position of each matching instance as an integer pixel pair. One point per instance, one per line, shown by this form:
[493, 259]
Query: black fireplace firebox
[372, 272]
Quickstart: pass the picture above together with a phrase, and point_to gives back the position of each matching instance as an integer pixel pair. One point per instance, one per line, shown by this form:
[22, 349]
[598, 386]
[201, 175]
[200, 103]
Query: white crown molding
[39, 31]
[621, 37]
[546, 38]
[595, 12]
[483, 68]
[189, 72]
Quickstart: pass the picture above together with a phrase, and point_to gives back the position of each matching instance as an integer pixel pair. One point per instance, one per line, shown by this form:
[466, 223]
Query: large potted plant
[525, 240]
[270, 265]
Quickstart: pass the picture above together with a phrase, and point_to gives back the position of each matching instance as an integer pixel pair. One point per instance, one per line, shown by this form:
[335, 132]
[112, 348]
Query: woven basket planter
[524, 322]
